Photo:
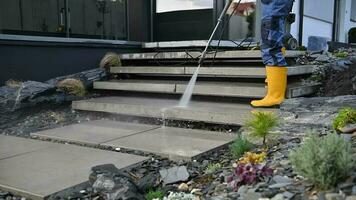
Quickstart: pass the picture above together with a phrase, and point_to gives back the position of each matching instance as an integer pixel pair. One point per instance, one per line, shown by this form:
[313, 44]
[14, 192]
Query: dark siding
[184, 25]
[41, 61]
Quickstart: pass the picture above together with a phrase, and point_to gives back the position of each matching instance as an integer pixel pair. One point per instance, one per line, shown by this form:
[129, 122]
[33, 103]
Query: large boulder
[111, 184]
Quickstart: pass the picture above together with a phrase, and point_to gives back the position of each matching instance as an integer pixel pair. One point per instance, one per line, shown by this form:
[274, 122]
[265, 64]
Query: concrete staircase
[150, 85]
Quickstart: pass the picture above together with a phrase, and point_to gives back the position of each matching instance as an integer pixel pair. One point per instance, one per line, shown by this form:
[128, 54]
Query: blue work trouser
[274, 13]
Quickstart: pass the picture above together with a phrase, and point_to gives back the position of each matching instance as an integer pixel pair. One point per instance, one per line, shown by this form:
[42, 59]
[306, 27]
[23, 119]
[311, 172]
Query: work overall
[274, 13]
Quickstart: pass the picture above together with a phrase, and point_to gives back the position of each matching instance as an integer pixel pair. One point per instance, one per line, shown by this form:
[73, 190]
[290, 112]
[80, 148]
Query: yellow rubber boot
[276, 89]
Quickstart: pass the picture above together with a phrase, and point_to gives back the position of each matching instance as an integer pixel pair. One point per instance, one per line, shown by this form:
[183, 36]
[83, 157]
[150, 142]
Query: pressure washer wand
[189, 90]
[223, 13]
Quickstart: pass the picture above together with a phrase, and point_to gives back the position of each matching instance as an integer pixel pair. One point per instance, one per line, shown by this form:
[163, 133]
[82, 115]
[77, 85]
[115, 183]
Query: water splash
[163, 110]
[184, 101]
[18, 96]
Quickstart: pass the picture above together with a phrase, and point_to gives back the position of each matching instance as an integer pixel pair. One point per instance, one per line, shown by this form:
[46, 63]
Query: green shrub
[154, 194]
[344, 117]
[261, 124]
[240, 146]
[323, 161]
[211, 168]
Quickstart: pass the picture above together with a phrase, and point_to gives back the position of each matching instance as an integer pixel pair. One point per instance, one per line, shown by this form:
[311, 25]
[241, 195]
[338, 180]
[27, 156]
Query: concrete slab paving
[38, 174]
[210, 112]
[175, 143]
[94, 132]
[23, 146]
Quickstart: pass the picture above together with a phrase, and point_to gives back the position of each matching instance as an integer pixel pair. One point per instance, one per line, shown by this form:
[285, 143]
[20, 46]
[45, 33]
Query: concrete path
[37, 169]
[174, 143]
[210, 112]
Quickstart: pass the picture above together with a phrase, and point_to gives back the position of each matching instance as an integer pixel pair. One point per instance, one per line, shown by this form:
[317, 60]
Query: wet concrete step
[196, 54]
[174, 143]
[205, 88]
[216, 71]
[196, 44]
[209, 112]
[36, 169]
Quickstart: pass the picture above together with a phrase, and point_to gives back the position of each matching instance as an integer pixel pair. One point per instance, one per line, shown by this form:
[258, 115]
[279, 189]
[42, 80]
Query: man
[274, 13]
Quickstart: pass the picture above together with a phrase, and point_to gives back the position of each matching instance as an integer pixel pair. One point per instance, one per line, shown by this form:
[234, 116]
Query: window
[176, 5]
[353, 11]
[101, 19]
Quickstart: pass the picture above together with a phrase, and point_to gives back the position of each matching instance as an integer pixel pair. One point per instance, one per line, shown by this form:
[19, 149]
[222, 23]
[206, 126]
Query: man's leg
[272, 32]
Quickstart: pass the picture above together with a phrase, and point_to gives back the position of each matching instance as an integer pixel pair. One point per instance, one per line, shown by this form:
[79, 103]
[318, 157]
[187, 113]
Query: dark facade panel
[184, 25]
[41, 61]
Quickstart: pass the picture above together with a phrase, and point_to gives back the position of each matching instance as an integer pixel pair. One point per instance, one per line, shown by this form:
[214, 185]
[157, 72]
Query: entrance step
[256, 54]
[209, 112]
[196, 44]
[216, 71]
[174, 143]
[36, 169]
[205, 88]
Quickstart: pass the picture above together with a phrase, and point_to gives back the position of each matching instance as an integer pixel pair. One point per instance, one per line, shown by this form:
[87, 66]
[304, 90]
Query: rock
[87, 77]
[278, 197]
[252, 196]
[354, 190]
[111, 184]
[322, 58]
[174, 175]
[288, 195]
[279, 185]
[183, 187]
[281, 179]
[149, 181]
[350, 128]
[242, 190]
[316, 43]
[29, 92]
[333, 196]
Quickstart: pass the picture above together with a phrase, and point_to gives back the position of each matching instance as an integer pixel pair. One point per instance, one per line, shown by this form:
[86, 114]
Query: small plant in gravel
[155, 194]
[344, 117]
[180, 196]
[324, 161]
[240, 146]
[72, 86]
[212, 168]
[341, 54]
[250, 169]
[261, 124]
[253, 158]
[248, 174]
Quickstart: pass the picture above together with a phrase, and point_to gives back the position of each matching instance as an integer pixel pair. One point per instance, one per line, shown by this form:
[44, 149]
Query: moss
[344, 117]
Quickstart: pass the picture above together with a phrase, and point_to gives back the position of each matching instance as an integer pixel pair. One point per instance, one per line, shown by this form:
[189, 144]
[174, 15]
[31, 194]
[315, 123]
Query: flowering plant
[253, 158]
[248, 174]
